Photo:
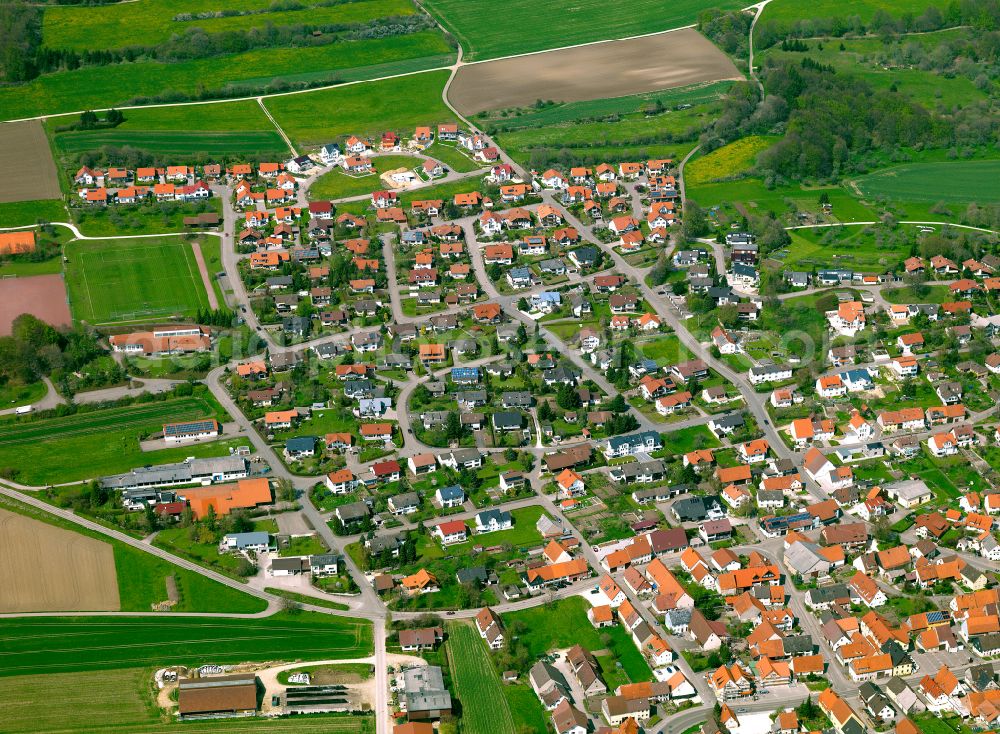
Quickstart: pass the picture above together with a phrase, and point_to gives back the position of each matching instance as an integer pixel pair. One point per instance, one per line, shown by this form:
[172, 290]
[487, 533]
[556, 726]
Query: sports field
[121, 702]
[67, 644]
[477, 683]
[476, 23]
[362, 109]
[100, 442]
[133, 280]
[955, 181]
[48, 569]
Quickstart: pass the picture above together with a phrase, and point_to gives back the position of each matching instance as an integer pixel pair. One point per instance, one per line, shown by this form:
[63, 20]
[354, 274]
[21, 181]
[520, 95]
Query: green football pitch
[132, 280]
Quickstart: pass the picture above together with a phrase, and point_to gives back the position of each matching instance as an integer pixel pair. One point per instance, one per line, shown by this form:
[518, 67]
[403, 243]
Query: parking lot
[928, 663]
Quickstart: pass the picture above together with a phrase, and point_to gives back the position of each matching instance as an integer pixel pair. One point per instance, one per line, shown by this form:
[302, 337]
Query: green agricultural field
[952, 182]
[362, 109]
[736, 159]
[78, 644]
[153, 22]
[477, 684]
[443, 191]
[21, 213]
[142, 576]
[101, 441]
[474, 23]
[133, 280]
[121, 702]
[782, 200]
[178, 143]
[596, 109]
[608, 130]
[118, 84]
[787, 12]
[918, 294]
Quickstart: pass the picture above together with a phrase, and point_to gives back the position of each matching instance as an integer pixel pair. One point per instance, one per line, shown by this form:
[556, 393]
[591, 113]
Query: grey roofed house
[561, 375]
[352, 512]
[295, 564]
[797, 278]
[444, 321]
[543, 676]
[799, 645]
[744, 271]
[585, 255]
[296, 325]
[823, 595]
[499, 368]
[690, 509]
[723, 294]
[284, 360]
[475, 574]
[327, 350]
[507, 420]
[380, 543]
[471, 397]
[765, 496]
[700, 283]
[552, 265]
[300, 445]
[397, 361]
[279, 281]
[404, 500]
[517, 399]
[981, 677]
[425, 691]
[678, 618]
[729, 421]
[434, 418]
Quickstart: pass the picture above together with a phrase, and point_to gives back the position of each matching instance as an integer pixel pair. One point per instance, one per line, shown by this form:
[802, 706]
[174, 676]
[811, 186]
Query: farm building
[190, 431]
[223, 696]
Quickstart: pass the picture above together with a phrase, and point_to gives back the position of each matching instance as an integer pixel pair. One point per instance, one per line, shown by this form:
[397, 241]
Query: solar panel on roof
[935, 616]
[173, 429]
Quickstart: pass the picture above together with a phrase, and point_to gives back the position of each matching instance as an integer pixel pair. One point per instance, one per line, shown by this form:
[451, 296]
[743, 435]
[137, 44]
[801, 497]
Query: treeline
[35, 348]
[127, 156]
[20, 39]
[281, 6]
[195, 43]
[981, 14]
[730, 31]
[974, 54]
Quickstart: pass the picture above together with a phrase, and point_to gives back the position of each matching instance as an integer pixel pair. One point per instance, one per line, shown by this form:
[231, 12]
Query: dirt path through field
[47, 569]
[612, 69]
[213, 302]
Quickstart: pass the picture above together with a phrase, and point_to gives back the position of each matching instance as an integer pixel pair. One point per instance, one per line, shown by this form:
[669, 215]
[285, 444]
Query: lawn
[142, 576]
[856, 248]
[522, 535]
[78, 644]
[21, 213]
[474, 23]
[556, 626]
[120, 702]
[452, 157]
[97, 87]
[362, 109]
[478, 688]
[967, 181]
[735, 159]
[919, 294]
[338, 185]
[688, 439]
[18, 393]
[178, 541]
[154, 21]
[133, 280]
[101, 442]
